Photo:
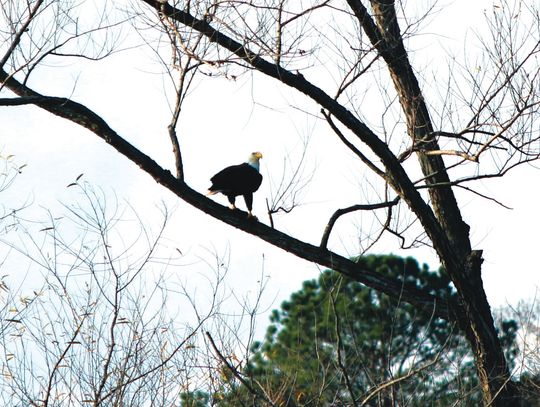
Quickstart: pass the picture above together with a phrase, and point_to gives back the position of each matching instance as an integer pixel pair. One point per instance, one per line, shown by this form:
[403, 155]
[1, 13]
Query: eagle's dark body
[243, 179]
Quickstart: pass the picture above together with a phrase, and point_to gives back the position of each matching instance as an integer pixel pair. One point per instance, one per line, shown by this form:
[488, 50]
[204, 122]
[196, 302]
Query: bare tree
[486, 124]
[109, 323]
[9, 170]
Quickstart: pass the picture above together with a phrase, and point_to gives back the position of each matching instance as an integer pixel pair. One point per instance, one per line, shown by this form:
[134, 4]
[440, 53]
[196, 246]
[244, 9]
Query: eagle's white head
[254, 158]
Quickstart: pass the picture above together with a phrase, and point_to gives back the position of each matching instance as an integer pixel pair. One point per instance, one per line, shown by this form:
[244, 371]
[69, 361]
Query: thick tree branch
[384, 33]
[83, 116]
[21, 101]
[395, 174]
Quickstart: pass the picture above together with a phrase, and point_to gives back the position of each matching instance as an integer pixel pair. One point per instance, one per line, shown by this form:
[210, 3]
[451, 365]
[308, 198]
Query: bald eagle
[242, 179]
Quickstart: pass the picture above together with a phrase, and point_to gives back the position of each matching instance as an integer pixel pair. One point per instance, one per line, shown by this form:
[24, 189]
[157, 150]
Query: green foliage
[335, 340]
[194, 399]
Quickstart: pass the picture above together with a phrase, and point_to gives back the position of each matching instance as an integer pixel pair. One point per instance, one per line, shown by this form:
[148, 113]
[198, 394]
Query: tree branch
[353, 208]
[341, 365]
[22, 30]
[384, 33]
[424, 301]
[395, 174]
[237, 374]
[351, 146]
[79, 114]
[395, 381]
[56, 367]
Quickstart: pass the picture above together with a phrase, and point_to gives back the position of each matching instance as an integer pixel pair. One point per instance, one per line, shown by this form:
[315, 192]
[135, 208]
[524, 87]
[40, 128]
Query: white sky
[220, 127]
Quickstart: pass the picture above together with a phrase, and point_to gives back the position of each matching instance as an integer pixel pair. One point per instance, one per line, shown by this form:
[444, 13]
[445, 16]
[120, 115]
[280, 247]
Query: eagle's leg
[232, 198]
[249, 204]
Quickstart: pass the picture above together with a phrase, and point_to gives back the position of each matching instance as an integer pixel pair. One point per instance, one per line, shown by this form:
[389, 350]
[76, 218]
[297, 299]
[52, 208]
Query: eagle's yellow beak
[258, 154]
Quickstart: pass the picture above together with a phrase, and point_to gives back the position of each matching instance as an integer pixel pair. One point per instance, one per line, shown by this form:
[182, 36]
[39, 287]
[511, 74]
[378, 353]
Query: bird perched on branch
[242, 179]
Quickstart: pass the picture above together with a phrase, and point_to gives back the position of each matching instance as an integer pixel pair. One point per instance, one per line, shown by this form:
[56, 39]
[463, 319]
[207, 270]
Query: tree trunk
[461, 263]
[479, 327]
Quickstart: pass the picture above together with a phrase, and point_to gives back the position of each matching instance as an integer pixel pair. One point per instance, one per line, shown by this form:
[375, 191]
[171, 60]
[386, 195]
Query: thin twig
[237, 374]
[351, 146]
[341, 365]
[392, 382]
[270, 213]
[22, 30]
[56, 366]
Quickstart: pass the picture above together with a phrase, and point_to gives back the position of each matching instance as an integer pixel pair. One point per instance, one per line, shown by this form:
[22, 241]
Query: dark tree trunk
[462, 264]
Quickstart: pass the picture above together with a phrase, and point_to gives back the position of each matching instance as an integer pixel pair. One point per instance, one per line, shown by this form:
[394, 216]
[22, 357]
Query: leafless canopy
[477, 119]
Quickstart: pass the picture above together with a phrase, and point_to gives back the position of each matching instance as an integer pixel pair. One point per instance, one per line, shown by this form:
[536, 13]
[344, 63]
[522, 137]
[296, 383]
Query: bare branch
[339, 351]
[259, 394]
[351, 146]
[78, 113]
[353, 208]
[61, 358]
[284, 198]
[395, 381]
[32, 12]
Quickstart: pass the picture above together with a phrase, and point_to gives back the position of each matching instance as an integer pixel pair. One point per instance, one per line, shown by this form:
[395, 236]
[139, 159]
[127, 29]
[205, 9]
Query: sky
[222, 123]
